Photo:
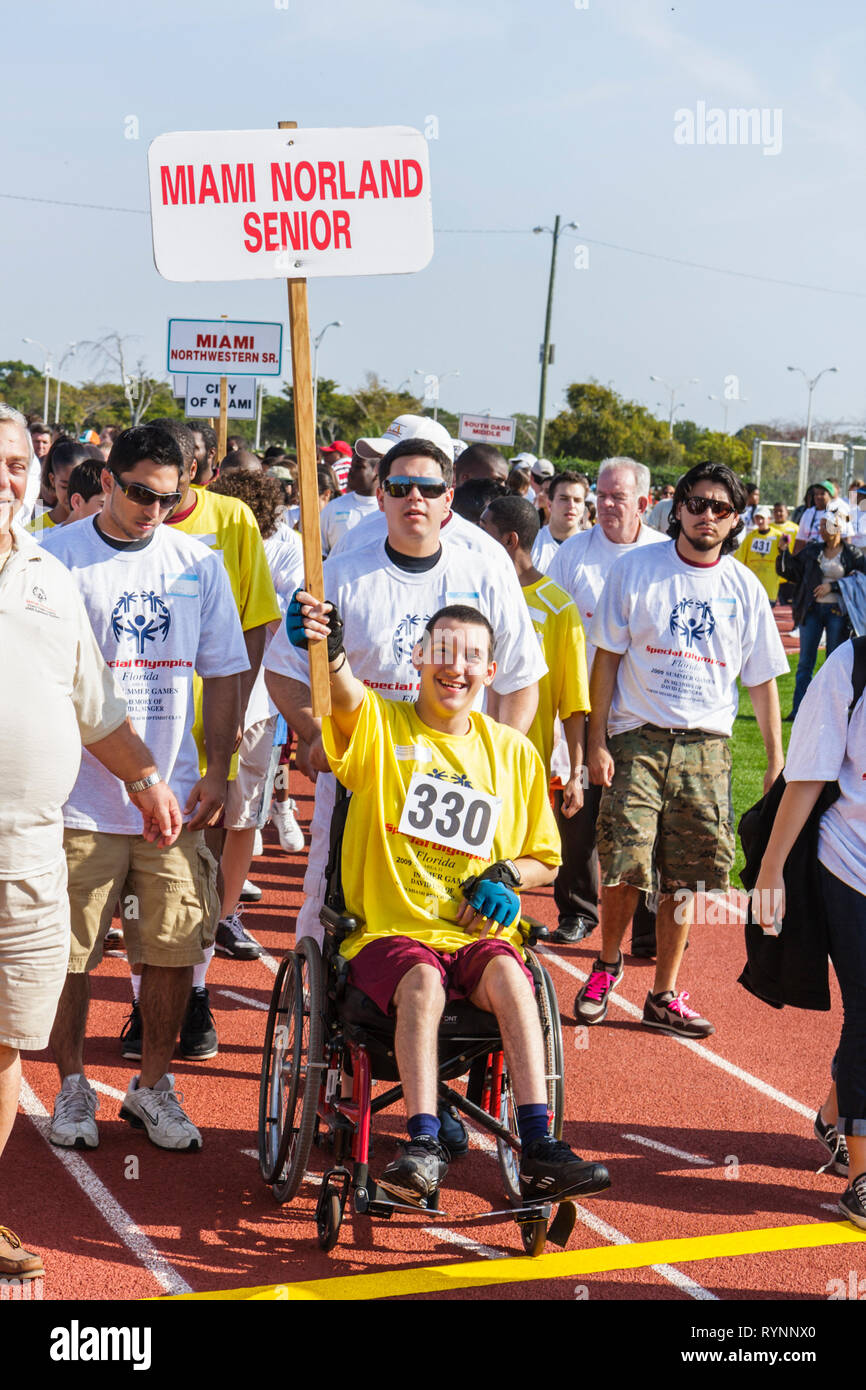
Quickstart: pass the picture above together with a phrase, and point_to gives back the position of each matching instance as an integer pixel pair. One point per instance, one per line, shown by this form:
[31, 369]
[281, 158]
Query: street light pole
[673, 390]
[438, 377]
[70, 352]
[555, 232]
[335, 323]
[803, 476]
[46, 371]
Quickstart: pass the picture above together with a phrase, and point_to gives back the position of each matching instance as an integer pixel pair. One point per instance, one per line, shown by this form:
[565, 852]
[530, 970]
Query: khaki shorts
[245, 798]
[34, 951]
[666, 822]
[168, 899]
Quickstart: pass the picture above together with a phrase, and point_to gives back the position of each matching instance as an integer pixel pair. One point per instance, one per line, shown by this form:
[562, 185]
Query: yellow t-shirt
[758, 553]
[39, 524]
[565, 689]
[228, 525]
[399, 884]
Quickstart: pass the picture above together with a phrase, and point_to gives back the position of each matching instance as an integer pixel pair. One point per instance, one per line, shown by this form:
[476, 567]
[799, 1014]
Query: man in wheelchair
[449, 817]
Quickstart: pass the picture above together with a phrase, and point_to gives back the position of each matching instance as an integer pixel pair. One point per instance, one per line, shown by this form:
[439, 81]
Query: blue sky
[541, 108]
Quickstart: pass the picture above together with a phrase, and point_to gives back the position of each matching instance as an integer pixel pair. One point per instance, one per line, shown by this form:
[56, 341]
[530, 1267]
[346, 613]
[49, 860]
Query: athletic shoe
[571, 929]
[419, 1171]
[113, 939]
[73, 1124]
[669, 1013]
[289, 833]
[834, 1143]
[550, 1169]
[852, 1203]
[258, 846]
[15, 1261]
[452, 1131]
[250, 893]
[130, 1035]
[234, 940]
[590, 1005]
[157, 1110]
[198, 1039]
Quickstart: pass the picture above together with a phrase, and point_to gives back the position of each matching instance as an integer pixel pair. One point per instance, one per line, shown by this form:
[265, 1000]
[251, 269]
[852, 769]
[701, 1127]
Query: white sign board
[217, 345]
[486, 429]
[202, 397]
[289, 204]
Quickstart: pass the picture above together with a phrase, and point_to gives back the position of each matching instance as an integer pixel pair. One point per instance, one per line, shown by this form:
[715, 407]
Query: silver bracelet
[143, 783]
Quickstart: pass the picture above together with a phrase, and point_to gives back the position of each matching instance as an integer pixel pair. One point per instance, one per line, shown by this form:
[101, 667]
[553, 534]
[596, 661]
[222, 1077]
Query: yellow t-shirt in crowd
[758, 553]
[402, 884]
[228, 525]
[38, 524]
[565, 689]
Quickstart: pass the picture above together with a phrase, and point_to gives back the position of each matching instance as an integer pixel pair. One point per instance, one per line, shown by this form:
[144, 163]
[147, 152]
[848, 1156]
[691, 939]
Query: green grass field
[749, 759]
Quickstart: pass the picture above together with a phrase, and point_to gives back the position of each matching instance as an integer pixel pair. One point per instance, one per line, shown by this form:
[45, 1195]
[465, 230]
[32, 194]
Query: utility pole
[555, 233]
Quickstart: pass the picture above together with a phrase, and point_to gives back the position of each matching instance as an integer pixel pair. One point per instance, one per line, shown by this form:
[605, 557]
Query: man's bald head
[241, 461]
[480, 461]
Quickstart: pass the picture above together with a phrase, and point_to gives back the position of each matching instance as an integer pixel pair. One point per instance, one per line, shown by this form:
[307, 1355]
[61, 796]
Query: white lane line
[106, 1089]
[666, 1149]
[243, 999]
[465, 1242]
[669, 1272]
[721, 1062]
[108, 1207]
[830, 1206]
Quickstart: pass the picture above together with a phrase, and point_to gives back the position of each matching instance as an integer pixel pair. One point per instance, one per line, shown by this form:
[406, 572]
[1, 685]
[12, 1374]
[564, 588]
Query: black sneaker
[130, 1037]
[550, 1169]
[852, 1203]
[452, 1131]
[419, 1171]
[234, 940]
[834, 1143]
[669, 1013]
[198, 1039]
[572, 929]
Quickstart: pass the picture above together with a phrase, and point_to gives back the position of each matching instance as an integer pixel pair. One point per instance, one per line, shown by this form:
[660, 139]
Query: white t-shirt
[583, 563]
[285, 555]
[384, 610]
[159, 613]
[810, 522]
[685, 632]
[342, 514]
[660, 515]
[544, 550]
[825, 747]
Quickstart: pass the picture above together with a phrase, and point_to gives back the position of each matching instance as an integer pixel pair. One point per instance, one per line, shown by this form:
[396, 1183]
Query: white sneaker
[157, 1110]
[73, 1124]
[289, 833]
[258, 847]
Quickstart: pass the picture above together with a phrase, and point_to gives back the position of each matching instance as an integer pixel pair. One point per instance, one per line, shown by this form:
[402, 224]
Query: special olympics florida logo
[406, 634]
[142, 617]
[693, 620]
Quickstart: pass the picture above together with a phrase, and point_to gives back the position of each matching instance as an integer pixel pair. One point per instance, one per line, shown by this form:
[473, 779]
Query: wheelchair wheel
[551, 1028]
[329, 1218]
[534, 1236]
[291, 1070]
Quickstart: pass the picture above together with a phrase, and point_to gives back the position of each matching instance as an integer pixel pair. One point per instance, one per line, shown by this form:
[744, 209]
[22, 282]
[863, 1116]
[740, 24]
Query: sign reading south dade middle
[290, 204]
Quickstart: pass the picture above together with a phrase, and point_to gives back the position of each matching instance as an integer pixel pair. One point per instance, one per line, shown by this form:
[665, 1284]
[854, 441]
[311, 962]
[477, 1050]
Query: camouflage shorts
[667, 820]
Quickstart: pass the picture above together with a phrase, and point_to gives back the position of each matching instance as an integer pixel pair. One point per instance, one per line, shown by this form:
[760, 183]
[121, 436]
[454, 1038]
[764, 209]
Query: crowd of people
[569, 651]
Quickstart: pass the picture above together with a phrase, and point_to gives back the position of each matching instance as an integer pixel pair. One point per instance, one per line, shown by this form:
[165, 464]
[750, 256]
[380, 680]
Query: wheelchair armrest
[337, 926]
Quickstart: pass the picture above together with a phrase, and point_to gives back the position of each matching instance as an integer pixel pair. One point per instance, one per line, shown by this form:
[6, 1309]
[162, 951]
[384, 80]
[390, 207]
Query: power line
[519, 231]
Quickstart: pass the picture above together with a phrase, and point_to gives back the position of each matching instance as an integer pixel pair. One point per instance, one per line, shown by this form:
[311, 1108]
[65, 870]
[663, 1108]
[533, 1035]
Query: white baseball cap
[407, 427]
[542, 468]
[458, 445]
[523, 460]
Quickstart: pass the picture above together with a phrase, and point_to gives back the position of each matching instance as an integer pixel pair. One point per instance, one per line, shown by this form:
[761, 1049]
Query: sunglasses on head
[145, 496]
[698, 505]
[401, 487]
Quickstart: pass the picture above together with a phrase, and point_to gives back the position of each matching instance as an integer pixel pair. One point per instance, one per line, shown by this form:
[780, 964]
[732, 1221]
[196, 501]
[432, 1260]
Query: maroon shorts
[378, 969]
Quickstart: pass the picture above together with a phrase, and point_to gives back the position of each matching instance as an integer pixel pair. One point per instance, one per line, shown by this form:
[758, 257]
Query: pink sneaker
[669, 1013]
[590, 1005]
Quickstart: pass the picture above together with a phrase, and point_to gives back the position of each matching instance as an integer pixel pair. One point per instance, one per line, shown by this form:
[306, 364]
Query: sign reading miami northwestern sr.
[290, 204]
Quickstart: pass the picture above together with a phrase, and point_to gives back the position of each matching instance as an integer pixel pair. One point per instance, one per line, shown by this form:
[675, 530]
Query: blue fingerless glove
[295, 622]
[493, 900]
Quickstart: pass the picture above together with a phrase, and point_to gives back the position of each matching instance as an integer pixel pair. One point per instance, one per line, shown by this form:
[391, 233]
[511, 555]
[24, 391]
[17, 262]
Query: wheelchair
[321, 1029]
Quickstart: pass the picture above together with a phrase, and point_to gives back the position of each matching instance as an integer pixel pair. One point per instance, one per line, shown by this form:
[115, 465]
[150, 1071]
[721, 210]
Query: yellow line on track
[605, 1259]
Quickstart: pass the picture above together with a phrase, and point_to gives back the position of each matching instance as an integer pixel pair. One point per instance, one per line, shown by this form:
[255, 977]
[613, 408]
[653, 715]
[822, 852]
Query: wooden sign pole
[308, 490]
[222, 432]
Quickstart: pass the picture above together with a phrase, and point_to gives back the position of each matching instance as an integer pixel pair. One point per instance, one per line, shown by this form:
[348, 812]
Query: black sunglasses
[401, 487]
[145, 496]
[698, 505]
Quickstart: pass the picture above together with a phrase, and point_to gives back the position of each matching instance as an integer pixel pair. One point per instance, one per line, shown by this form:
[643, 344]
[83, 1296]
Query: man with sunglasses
[675, 626]
[161, 608]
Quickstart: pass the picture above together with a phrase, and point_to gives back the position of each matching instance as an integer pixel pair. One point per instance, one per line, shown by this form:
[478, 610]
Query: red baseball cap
[339, 446]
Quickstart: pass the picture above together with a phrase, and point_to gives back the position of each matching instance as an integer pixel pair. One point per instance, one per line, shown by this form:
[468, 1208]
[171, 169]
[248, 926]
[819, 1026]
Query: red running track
[128, 1221]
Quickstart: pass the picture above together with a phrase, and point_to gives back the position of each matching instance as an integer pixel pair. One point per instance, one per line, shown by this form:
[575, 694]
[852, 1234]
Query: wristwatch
[143, 783]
